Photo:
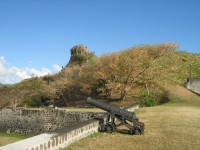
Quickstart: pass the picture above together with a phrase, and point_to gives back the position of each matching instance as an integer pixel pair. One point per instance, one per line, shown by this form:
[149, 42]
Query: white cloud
[10, 74]
[57, 67]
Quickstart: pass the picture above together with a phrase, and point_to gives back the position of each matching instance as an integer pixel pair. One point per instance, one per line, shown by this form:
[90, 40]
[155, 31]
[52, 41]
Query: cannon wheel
[109, 128]
[131, 132]
[101, 127]
[135, 131]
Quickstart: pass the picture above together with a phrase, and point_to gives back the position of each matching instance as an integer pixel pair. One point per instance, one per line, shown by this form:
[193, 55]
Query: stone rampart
[33, 122]
[193, 84]
[55, 141]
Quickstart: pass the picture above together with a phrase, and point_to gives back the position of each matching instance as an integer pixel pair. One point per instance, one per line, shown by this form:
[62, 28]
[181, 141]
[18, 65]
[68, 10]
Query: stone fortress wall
[56, 140]
[193, 84]
[32, 122]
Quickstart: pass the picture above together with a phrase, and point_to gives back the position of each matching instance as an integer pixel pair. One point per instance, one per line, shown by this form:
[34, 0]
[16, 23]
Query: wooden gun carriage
[116, 117]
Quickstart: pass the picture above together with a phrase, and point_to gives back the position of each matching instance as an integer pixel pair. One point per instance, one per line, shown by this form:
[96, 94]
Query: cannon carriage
[116, 117]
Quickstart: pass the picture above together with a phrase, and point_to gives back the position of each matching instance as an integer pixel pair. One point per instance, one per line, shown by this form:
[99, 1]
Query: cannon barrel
[113, 109]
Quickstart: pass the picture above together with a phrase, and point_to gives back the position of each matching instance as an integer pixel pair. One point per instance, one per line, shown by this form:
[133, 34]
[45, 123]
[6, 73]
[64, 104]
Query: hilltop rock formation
[79, 55]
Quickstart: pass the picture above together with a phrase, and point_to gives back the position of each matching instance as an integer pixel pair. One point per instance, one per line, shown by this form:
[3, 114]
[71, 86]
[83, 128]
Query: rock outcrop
[79, 55]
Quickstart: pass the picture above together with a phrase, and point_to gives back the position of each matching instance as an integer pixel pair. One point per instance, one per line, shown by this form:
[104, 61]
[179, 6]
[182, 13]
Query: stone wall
[193, 84]
[57, 140]
[40, 121]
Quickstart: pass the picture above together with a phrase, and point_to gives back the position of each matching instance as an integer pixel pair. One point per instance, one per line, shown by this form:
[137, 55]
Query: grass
[173, 126]
[10, 138]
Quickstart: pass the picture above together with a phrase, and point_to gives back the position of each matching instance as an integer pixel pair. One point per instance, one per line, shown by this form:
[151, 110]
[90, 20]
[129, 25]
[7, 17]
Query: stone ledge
[57, 140]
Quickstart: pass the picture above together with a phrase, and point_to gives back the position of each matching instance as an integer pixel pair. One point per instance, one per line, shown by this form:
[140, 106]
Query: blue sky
[36, 35]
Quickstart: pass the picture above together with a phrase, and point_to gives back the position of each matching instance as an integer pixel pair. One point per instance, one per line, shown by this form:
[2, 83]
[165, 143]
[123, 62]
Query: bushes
[153, 99]
[34, 102]
[37, 101]
[148, 99]
[78, 58]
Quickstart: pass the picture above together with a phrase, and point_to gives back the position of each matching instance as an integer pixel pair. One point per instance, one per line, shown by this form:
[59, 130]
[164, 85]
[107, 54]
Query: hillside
[135, 75]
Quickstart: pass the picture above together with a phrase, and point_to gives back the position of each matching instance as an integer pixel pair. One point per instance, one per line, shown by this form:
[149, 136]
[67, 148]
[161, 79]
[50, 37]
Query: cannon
[116, 117]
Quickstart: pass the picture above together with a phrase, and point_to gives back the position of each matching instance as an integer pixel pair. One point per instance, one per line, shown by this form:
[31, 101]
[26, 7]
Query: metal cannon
[116, 117]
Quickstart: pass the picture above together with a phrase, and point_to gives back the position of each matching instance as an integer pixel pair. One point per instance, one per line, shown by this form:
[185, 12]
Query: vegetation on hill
[134, 75]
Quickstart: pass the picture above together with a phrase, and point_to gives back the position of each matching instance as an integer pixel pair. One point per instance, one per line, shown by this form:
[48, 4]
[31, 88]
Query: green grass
[173, 126]
[180, 96]
[10, 138]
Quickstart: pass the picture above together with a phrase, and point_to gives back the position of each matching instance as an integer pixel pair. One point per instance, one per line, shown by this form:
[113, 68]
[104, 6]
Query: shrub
[79, 58]
[148, 99]
[152, 99]
[34, 102]
[37, 101]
